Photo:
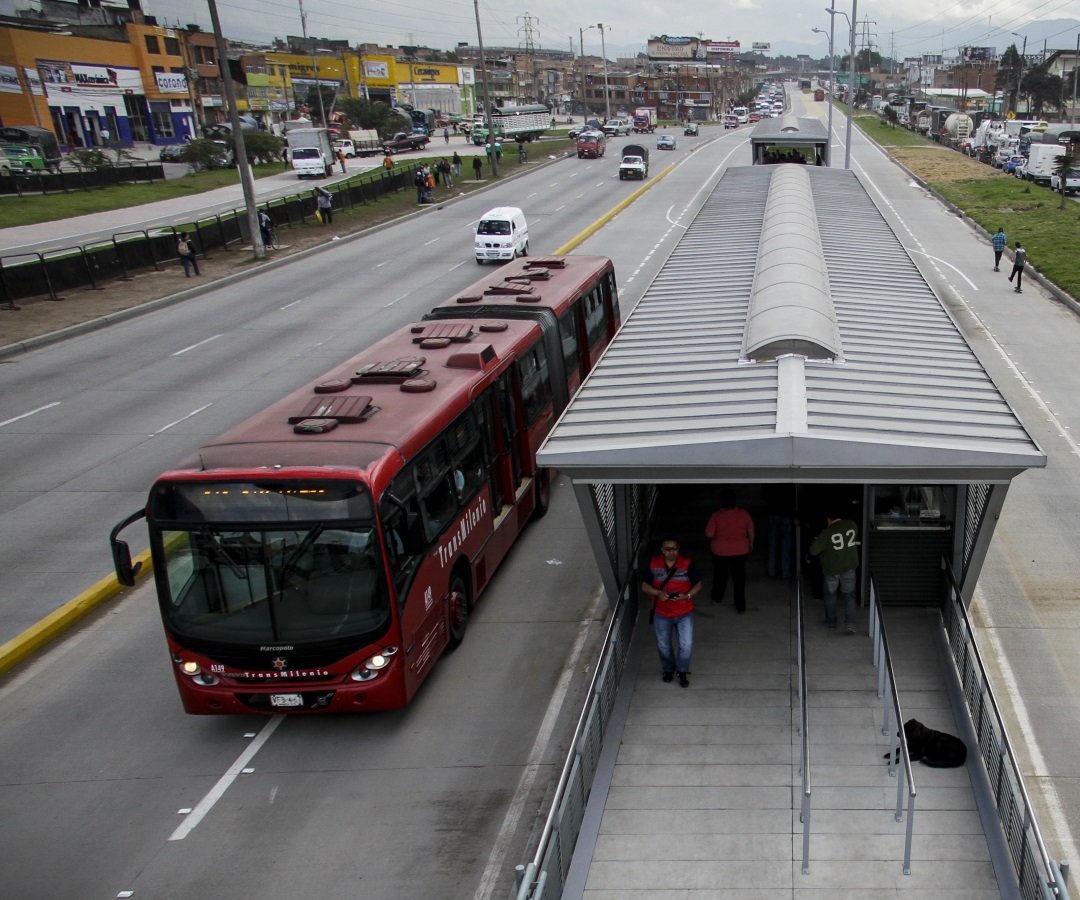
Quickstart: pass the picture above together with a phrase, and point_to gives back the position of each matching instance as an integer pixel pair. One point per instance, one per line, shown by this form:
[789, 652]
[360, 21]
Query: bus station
[789, 138]
[788, 361]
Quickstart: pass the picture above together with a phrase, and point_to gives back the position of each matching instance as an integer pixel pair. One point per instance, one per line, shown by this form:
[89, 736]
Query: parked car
[665, 142]
[731, 121]
[172, 153]
[691, 129]
[20, 159]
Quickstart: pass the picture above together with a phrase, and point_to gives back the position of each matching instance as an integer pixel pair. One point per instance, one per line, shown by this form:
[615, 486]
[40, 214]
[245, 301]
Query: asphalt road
[441, 798]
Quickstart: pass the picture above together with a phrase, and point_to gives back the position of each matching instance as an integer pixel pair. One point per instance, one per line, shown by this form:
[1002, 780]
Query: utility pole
[247, 180]
[487, 99]
[530, 53]
[314, 65]
[607, 90]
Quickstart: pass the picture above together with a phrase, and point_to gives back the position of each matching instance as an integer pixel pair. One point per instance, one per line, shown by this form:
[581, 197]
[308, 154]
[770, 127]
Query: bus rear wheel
[458, 609]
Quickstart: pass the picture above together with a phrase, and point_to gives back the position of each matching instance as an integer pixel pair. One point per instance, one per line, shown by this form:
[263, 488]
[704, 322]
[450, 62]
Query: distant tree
[890, 115]
[1008, 75]
[263, 146]
[1043, 90]
[372, 114]
[1062, 168]
[203, 153]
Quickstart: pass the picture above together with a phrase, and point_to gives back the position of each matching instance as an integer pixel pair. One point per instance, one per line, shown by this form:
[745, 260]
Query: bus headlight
[373, 665]
[194, 670]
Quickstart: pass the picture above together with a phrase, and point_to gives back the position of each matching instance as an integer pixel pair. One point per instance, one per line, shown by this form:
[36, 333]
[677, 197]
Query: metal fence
[70, 181]
[1040, 877]
[48, 274]
[544, 877]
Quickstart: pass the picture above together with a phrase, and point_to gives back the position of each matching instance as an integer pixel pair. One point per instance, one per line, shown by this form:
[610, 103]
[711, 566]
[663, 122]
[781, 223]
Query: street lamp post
[851, 74]
[487, 99]
[607, 90]
[832, 64]
[581, 44]
[1023, 59]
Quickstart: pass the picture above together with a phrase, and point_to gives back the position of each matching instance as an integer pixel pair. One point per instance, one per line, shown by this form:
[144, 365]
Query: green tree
[371, 114]
[1043, 90]
[203, 153]
[1010, 67]
[1062, 169]
[262, 146]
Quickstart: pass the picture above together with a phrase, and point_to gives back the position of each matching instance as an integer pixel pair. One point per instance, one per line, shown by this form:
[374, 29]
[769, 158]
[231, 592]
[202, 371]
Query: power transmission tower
[528, 25]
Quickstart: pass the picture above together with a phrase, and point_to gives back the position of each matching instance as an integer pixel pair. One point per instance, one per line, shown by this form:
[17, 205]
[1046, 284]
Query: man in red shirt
[731, 534]
[672, 580]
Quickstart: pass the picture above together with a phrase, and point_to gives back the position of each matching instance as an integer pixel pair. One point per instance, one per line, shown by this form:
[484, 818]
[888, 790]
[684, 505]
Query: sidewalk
[704, 798]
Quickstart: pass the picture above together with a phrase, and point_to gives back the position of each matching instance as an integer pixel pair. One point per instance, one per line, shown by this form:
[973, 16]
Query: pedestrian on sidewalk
[447, 173]
[285, 154]
[672, 580]
[1000, 242]
[324, 201]
[730, 531]
[837, 549]
[456, 163]
[388, 163]
[1019, 261]
[446, 135]
[185, 249]
[477, 167]
[341, 159]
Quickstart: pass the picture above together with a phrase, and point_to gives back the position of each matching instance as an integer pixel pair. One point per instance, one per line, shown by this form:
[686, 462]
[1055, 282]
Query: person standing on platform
[672, 580]
[837, 549]
[730, 531]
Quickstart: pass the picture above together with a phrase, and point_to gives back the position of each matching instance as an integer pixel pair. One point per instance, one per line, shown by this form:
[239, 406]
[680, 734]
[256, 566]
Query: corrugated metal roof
[674, 399]
[789, 130]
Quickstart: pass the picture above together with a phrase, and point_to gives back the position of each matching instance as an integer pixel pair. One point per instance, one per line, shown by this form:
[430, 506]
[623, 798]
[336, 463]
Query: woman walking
[731, 535]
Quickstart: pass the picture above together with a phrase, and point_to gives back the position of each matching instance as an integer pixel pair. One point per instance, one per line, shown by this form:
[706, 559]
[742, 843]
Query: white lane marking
[395, 300]
[184, 418]
[599, 184]
[1038, 763]
[554, 184]
[533, 194]
[458, 266]
[32, 412]
[971, 283]
[560, 208]
[218, 790]
[579, 196]
[515, 812]
[287, 305]
[380, 265]
[432, 241]
[193, 346]
[573, 174]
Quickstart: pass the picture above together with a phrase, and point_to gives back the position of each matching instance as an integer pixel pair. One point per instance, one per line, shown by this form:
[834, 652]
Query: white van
[501, 234]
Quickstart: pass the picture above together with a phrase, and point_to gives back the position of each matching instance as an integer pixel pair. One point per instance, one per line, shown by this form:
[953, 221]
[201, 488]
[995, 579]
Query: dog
[933, 748]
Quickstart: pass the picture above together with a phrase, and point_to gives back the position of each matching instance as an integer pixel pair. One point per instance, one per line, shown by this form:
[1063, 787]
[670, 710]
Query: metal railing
[544, 877]
[892, 720]
[50, 272]
[804, 722]
[1039, 876]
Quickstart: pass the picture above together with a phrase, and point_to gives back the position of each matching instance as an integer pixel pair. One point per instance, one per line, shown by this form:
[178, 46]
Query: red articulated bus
[574, 298]
[321, 556]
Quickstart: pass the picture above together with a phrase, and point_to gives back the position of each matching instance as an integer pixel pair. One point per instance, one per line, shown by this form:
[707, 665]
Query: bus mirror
[126, 571]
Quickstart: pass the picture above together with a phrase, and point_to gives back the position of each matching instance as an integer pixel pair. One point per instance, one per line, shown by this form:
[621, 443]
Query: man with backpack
[185, 249]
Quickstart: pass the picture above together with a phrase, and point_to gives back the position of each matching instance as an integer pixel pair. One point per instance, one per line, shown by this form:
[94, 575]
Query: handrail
[887, 683]
[527, 883]
[804, 723]
[1053, 881]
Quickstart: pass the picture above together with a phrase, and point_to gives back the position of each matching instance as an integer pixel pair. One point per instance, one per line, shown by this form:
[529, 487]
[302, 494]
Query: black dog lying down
[934, 748]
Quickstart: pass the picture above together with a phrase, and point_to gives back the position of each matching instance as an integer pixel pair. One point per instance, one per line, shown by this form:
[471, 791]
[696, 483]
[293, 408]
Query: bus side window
[611, 294]
[434, 480]
[535, 383]
[402, 530]
[595, 317]
[464, 441]
[568, 336]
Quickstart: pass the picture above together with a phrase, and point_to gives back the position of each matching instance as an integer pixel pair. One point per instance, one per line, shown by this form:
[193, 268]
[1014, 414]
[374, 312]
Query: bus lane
[344, 795]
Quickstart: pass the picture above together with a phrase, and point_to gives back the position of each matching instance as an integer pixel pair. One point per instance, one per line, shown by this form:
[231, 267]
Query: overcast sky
[895, 28]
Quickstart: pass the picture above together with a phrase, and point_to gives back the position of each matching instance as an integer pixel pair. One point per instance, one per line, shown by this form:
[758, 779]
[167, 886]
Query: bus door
[571, 348]
[508, 430]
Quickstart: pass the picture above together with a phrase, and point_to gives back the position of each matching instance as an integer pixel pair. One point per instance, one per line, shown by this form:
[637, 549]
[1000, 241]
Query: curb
[57, 622]
[1030, 272]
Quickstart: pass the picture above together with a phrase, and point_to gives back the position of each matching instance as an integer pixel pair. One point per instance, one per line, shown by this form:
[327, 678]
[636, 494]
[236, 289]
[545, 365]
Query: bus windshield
[310, 583]
[270, 561]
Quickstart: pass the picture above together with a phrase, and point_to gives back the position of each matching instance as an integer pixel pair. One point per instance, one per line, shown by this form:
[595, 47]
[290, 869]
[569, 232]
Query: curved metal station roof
[789, 130]
[850, 369]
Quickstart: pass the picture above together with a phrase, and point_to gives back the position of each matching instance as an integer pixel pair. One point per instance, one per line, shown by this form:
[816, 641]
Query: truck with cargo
[1041, 161]
[310, 152]
[635, 162]
[515, 123]
[615, 127]
[644, 120]
[364, 142]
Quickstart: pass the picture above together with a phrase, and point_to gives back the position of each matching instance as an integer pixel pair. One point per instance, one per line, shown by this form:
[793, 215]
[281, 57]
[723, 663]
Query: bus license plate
[286, 700]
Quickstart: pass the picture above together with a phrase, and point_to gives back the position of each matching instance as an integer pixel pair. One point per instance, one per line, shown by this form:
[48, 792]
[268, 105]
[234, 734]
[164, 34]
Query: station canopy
[789, 337]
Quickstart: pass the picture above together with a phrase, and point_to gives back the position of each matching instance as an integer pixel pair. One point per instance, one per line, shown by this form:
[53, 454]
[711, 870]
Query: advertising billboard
[761, 46]
[668, 47]
[978, 54]
[721, 49]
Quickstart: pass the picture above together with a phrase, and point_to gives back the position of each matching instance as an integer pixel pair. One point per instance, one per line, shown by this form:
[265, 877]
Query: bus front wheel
[458, 608]
[543, 493]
